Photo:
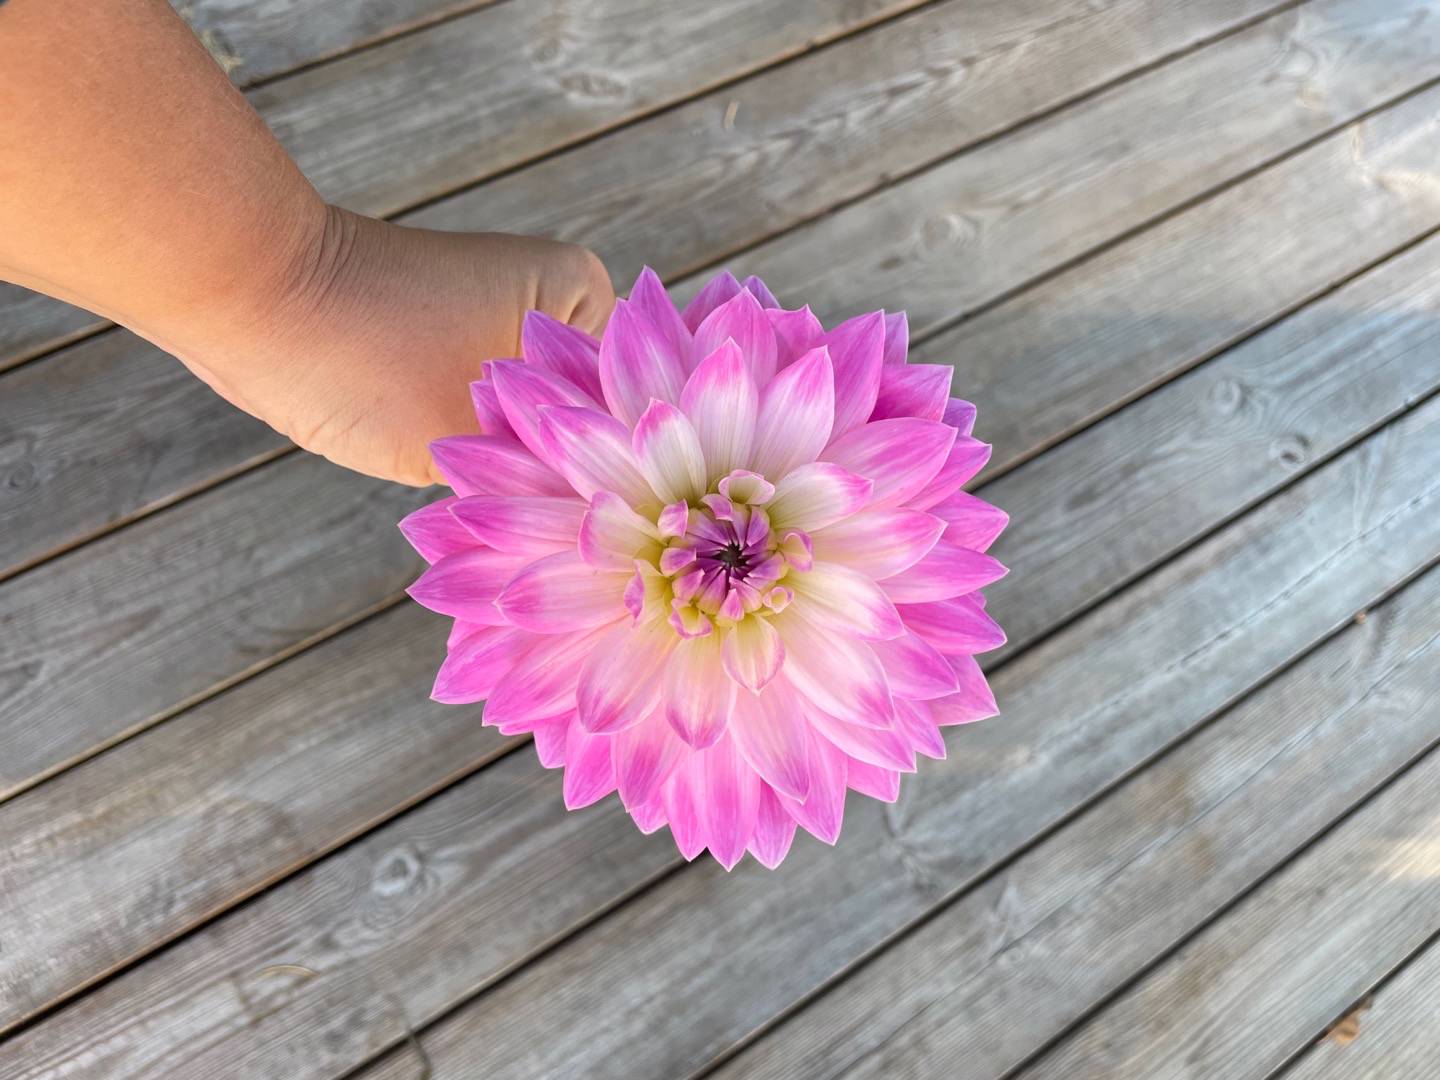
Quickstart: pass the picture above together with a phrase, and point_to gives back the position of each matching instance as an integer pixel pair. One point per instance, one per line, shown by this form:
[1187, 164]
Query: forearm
[135, 180]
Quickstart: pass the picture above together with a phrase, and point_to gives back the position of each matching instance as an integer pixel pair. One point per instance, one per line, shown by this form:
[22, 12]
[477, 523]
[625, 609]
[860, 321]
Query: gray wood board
[1010, 966]
[1206, 628]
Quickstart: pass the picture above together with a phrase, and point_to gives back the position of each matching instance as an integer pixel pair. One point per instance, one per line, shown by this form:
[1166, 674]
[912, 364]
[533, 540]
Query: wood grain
[1128, 678]
[1008, 967]
[94, 496]
[1206, 627]
[1263, 982]
[1395, 1032]
[104, 641]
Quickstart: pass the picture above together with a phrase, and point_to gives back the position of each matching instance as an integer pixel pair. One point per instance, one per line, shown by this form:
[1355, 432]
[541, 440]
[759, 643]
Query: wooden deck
[1185, 256]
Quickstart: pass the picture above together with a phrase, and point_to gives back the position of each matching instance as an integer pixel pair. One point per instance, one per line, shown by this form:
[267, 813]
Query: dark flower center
[731, 557]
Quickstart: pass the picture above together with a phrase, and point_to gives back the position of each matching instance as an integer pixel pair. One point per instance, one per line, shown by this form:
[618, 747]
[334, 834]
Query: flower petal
[897, 337]
[857, 349]
[550, 738]
[669, 454]
[774, 830]
[752, 653]
[522, 389]
[717, 290]
[901, 455]
[919, 390]
[914, 722]
[772, 734]
[867, 779]
[649, 298]
[543, 681]
[970, 522]
[796, 333]
[837, 672]
[816, 495]
[884, 747]
[832, 596]
[878, 542]
[684, 798]
[914, 668]
[488, 410]
[974, 700]
[732, 800]
[592, 452]
[823, 811]
[612, 536]
[433, 531]
[645, 755]
[532, 525]
[960, 415]
[560, 593]
[796, 410]
[563, 350]
[620, 680]
[957, 625]
[697, 693]
[637, 362]
[466, 584]
[742, 320]
[947, 570]
[722, 401]
[758, 289]
[589, 769]
[474, 666]
[493, 465]
[966, 458]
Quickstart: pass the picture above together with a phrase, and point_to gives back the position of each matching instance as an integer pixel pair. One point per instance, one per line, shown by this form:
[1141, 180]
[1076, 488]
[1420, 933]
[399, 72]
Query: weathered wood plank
[393, 126]
[1205, 628]
[1010, 966]
[1193, 638]
[1395, 1033]
[1067, 215]
[1257, 986]
[101, 642]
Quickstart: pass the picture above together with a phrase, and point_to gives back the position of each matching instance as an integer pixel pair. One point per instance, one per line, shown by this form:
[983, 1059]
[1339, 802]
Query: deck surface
[1185, 257]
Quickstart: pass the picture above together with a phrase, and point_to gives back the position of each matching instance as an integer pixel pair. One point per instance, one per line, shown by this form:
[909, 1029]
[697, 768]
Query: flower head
[719, 560]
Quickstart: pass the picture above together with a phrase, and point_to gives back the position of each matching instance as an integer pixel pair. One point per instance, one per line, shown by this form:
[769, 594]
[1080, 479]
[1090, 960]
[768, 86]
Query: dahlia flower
[719, 561]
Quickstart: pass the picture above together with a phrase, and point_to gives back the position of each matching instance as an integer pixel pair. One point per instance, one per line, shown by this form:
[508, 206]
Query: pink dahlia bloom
[719, 560]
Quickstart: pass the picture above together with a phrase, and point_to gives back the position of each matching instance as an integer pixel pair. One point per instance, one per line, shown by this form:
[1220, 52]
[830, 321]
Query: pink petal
[684, 797]
[698, 695]
[884, 747]
[543, 682]
[838, 672]
[878, 542]
[589, 771]
[722, 401]
[645, 756]
[832, 596]
[774, 830]
[532, 525]
[550, 739]
[960, 415]
[816, 495]
[947, 570]
[914, 723]
[649, 298]
[732, 801]
[474, 666]
[795, 414]
[857, 349]
[522, 390]
[974, 701]
[650, 814]
[900, 455]
[465, 585]
[592, 452]
[620, 681]
[493, 465]
[612, 536]
[867, 779]
[914, 668]
[560, 593]
[897, 337]
[434, 532]
[488, 410]
[720, 288]
[742, 320]
[966, 458]
[752, 653]
[919, 390]
[668, 451]
[796, 333]
[637, 362]
[957, 625]
[970, 522]
[772, 734]
[570, 353]
[758, 289]
[823, 811]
